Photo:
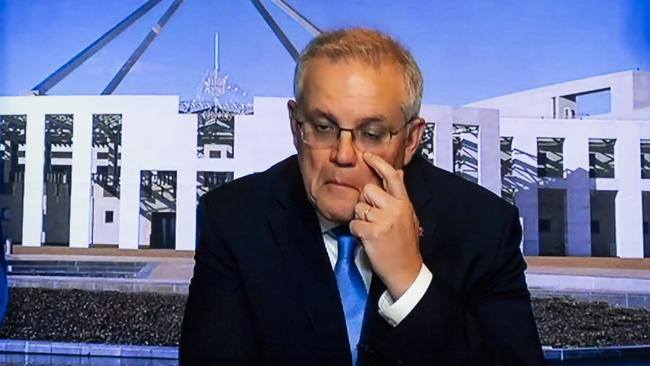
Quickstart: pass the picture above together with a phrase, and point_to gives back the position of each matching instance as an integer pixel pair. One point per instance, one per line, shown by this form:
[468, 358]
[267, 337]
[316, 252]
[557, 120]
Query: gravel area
[155, 319]
[94, 317]
[565, 322]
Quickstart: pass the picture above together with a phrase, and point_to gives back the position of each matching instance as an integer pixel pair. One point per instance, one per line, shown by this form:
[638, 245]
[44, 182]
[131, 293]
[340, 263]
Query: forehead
[354, 88]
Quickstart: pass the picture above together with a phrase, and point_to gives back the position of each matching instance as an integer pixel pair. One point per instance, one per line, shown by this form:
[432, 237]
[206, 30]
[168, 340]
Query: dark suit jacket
[264, 292]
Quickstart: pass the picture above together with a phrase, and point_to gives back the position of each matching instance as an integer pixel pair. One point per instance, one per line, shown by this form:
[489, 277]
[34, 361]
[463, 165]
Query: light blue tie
[351, 288]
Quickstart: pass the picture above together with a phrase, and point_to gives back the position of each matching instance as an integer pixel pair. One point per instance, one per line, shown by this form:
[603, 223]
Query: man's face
[349, 94]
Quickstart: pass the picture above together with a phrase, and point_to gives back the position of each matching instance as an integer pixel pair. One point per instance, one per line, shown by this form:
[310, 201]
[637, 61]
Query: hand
[386, 224]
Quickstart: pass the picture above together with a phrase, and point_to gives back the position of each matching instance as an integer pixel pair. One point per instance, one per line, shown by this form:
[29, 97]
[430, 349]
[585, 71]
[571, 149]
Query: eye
[372, 134]
[323, 127]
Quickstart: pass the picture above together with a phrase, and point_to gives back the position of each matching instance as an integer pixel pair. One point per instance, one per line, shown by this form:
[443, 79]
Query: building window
[207, 181]
[508, 194]
[215, 129]
[507, 160]
[601, 158]
[550, 157]
[61, 154]
[645, 159]
[541, 164]
[465, 150]
[108, 217]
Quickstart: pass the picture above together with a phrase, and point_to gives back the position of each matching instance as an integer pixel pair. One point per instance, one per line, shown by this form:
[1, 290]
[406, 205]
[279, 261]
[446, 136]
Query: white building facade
[84, 171]
[580, 181]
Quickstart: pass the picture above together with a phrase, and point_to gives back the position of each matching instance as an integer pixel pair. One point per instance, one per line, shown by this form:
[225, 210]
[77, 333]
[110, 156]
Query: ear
[295, 131]
[413, 139]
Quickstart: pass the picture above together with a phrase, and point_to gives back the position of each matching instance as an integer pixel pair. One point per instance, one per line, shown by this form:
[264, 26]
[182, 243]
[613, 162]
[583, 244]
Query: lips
[339, 182]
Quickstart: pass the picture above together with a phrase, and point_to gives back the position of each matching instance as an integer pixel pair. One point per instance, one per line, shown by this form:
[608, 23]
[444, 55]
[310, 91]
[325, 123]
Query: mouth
[339, 183]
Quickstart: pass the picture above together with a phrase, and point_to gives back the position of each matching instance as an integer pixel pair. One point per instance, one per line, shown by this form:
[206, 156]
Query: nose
[344, 153]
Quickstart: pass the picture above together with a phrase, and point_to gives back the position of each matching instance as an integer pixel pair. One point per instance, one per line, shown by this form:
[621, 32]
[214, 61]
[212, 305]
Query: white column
[629, 210]
[80, 212]
[185, 209]
[578, 210]
[263, 139]
[247, 143]
[33, 198]
[525, 174]
[489, 147]
[443, 145]
[129, 205]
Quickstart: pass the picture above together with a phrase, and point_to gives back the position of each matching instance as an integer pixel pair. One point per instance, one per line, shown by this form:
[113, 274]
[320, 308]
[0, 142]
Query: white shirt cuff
[395, 311]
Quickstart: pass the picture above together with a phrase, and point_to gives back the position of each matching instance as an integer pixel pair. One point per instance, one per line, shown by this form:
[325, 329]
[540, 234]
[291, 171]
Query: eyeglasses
[372, 137]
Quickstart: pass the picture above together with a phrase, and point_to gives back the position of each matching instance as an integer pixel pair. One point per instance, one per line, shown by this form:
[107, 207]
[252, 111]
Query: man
[357, 251]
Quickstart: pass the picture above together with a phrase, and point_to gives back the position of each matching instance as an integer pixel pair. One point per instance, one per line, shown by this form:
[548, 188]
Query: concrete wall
[627, 181]
[104, 233]
[629, 97]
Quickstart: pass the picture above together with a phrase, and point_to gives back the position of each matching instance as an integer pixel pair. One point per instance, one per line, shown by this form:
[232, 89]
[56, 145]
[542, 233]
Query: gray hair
[367, 45]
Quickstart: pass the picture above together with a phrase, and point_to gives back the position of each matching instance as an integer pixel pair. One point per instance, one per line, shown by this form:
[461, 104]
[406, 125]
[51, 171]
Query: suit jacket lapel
[298, 235]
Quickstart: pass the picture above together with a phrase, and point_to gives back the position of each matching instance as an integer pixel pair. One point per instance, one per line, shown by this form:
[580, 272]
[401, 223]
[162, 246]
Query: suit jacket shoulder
[458, 197]
[255, 188]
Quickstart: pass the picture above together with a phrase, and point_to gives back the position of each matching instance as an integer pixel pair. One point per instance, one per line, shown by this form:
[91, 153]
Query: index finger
[391, 179]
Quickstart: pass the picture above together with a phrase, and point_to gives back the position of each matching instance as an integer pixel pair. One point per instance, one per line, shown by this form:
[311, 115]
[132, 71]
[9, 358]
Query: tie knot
[347, 243]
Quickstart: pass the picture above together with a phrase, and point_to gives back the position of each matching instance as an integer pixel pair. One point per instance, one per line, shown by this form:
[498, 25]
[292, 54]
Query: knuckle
[364, 191]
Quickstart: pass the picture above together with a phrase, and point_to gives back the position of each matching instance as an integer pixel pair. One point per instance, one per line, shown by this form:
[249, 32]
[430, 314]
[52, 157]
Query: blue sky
[468, 50]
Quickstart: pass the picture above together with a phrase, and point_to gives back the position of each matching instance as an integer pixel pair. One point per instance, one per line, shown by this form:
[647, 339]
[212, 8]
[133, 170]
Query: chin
[337, 214]
[337, 209]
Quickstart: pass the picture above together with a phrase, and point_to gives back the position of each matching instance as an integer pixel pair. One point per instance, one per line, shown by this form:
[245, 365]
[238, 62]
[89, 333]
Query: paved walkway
[620, 282]
[623, 282]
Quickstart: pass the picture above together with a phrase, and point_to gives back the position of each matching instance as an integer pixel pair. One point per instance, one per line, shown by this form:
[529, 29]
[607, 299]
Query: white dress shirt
[392, 311]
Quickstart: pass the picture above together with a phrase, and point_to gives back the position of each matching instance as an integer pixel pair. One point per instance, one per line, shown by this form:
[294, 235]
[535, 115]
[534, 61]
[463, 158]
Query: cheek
[394, 156]
[312, 163]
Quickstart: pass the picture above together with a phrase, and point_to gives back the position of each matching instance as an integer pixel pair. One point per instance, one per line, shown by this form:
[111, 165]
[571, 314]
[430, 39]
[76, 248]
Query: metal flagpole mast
[299, 18]
[142, 47]
[276, 29]
[62, 72]
[93, 48]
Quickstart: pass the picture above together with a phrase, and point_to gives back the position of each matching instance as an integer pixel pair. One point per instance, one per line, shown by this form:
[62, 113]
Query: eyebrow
[317, 113]
[365, 120]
